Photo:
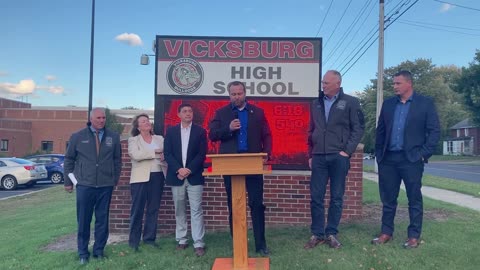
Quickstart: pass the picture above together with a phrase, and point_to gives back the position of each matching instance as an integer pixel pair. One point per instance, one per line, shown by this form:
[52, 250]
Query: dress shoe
[182, 246]
[99, 256]
[151, 243]
[411, 243]
[313, 242]
[333, 241]
[264, 252]
[382, 239]
[135, 248]
[83, 261]
[199, 251]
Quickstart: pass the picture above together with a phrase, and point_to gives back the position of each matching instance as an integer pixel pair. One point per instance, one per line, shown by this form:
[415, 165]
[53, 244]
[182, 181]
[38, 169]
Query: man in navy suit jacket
[185, 148]
[407, 134]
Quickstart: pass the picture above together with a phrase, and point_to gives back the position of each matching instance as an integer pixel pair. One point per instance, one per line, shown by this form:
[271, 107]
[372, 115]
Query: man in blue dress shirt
[407, 134]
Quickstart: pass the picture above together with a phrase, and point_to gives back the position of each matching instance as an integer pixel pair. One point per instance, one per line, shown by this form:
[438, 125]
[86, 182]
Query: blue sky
[45, 45]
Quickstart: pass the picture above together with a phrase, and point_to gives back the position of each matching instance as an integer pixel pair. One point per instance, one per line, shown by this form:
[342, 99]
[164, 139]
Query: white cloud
[3, 73]
[28, 87]
[446, 7]
[129, 39]
[52, 89]
[50, 78]
[24, 87]
[253, 30]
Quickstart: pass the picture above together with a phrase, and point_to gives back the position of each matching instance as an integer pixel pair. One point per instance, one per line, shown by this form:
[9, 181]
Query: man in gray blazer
[94, 157]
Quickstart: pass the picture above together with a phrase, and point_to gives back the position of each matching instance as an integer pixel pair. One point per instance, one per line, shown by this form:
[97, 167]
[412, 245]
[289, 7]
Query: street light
[145, 59]
[90, 87]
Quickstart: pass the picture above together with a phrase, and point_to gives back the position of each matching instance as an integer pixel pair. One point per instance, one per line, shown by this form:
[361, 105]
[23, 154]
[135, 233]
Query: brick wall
[8, 103]
[286, 196]
[18, 135]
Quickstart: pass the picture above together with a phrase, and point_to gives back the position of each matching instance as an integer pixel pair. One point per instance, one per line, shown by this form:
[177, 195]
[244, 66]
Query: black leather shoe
[83, 261]
[333, 242]
[313, 242]
[153, 244]
[264, 252]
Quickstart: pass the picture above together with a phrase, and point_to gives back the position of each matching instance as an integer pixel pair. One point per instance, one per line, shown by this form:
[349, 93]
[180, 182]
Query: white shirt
[185, 133]
[156, 164]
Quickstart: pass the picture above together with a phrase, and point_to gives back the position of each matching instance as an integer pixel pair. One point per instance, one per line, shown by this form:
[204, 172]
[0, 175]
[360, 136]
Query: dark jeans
[335, 167]
[145, 196]
[89, 200]
[391, 170]
[254, 185]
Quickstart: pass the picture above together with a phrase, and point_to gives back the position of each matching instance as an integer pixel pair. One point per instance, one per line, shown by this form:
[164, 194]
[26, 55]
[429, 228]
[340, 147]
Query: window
[450, 147]
[467, 146]
[4, 145]
[458, 133]
[47, 146]
[466, 132]
[44, 160]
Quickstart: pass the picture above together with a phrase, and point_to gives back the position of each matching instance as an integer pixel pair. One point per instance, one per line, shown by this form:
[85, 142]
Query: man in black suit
[185, 148]
[243, 128]
[407, 134]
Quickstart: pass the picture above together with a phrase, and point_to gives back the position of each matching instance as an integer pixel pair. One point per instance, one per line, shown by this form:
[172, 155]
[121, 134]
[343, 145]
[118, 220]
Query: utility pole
[381, 27]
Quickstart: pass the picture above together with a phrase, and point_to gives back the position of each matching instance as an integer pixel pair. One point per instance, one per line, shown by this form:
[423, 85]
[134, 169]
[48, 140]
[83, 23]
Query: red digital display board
[288, 122]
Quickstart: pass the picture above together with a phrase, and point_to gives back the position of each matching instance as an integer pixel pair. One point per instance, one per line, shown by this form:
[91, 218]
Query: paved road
[453, 170]
[4, 194]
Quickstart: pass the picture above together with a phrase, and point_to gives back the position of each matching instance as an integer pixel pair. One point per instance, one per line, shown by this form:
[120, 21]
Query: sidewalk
[439, 194]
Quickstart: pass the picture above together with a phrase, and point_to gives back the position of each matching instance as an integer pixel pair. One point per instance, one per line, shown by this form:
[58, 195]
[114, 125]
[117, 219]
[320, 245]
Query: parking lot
[21, 190]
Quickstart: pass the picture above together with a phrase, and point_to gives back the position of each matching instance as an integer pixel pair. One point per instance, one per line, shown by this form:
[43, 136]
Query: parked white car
[18, 171]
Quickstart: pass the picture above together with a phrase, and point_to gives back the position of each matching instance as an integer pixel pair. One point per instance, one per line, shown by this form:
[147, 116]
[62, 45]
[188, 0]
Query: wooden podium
[239, 165]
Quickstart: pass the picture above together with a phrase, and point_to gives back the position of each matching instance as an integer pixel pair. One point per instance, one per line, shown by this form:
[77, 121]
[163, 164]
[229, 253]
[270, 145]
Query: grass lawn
[453, 158]
[464, 187]
[450, 237]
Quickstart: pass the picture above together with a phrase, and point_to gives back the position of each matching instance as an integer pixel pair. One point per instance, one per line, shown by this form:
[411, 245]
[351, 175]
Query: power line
[434, 28]
[393, 12]
[335, 28]
[442, 25]
[352, 37]
[328, 10]
[416, 1]
[465, 7]
[370, 45]
[349, 30]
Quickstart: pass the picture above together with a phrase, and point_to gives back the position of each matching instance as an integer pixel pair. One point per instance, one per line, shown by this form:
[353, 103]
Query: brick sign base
[286, 197]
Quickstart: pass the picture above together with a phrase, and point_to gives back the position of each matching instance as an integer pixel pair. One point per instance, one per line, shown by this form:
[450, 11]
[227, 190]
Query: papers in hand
[73, 178]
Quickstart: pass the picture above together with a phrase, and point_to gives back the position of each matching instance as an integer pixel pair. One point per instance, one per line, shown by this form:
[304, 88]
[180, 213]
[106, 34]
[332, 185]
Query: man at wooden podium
[243, 128]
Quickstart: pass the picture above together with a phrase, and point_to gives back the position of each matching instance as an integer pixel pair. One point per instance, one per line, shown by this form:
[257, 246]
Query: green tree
[468, 85]
[130, 108]
[112, 121]
[427, 80]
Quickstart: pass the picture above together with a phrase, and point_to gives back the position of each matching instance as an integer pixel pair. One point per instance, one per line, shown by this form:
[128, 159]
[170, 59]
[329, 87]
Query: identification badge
[341, 105]
[109, 141]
